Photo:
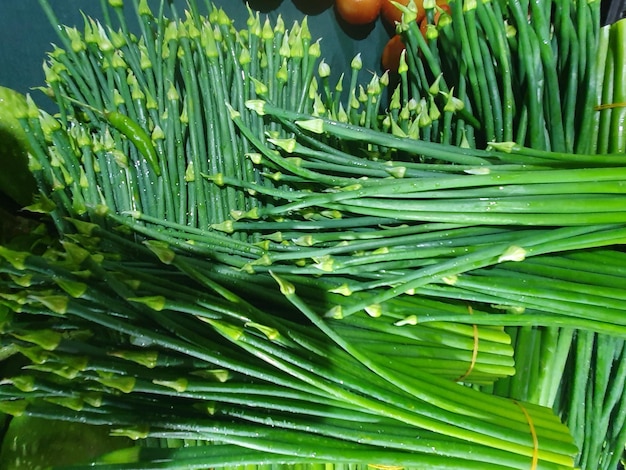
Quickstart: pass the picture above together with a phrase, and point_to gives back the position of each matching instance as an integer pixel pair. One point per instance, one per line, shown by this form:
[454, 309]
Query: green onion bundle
[525, 70]
[206, 364]
[608, 134]
[250, 258]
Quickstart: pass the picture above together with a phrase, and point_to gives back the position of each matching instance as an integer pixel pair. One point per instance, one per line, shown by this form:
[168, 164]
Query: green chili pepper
[131, 129]
[137, 135]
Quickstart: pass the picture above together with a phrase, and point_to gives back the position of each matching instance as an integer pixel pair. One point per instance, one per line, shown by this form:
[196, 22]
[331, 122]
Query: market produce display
[239, 256]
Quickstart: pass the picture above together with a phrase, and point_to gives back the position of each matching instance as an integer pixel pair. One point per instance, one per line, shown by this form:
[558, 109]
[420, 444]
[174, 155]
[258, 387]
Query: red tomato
[358, 12]
[391, 53]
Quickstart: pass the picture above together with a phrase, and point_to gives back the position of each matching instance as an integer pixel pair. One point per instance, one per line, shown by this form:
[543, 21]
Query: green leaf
[16, 181]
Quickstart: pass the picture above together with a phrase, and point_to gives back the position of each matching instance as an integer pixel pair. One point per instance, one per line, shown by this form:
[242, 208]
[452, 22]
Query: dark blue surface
[613, 11]
[26, 34]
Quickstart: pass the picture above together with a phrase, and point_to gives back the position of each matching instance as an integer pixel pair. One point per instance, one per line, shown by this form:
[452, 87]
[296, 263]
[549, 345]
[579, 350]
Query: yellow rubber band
[600, 107]
[533, 433]
[474, 351]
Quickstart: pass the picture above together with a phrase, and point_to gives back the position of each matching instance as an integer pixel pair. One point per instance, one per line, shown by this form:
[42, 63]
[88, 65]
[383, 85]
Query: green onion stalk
[242, 256]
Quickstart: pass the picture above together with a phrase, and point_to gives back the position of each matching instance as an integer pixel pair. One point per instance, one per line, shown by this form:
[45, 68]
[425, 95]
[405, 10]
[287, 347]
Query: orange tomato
[391, 53]
[424, 21]
[393, 49]
[392, 15]
[358, 12]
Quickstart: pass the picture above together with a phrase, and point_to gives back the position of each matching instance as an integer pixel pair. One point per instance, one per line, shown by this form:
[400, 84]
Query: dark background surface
[26, 33]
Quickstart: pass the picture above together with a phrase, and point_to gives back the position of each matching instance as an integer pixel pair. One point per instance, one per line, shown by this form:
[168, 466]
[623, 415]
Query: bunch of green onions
[206, 364]
[241, 259]
[525, 70]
